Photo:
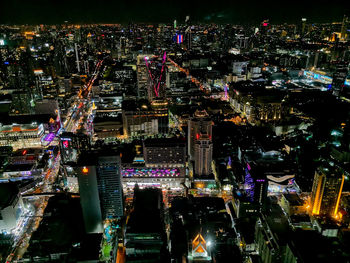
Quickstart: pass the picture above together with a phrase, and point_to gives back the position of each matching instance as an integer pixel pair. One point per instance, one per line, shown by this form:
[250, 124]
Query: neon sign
[65, 144]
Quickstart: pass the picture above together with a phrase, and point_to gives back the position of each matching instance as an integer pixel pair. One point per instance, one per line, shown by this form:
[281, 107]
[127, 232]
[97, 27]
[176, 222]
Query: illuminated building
[170, 152]
[293, 204]
[326, 191]
[255, 184]
[69, 147]
[11, 206]
[162, 177]
[72, 145]
[22, 135]
[303, 26]
[110, 186]
[24, 164]
[203, 155]
[199, 251]
[145, 119]
[89, 199]
[199, 124]
[345, 28]
[142, 76]
[156, 76]
[239, 68]
[339, 77]
[257, 104]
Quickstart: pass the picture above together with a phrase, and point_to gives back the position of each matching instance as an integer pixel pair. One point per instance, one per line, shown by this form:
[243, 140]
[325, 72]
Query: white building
[21, 136]
[11, 206]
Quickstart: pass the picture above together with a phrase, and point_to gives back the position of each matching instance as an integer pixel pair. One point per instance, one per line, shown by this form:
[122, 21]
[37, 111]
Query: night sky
[124, 11]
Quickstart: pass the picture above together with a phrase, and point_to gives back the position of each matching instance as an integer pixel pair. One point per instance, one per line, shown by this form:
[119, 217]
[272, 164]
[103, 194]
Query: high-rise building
[339, 77]
[199, 124]
[100, 188]
[110, 187]
[21, 136]
[344, 28]
[156, 84]
[326, 191]
[203, 155]
[303, 26]
[89, 199]
[142, 75]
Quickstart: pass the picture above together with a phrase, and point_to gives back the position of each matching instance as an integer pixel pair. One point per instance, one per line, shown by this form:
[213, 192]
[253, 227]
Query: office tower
[142, 76]
[203, 155]
[339, 77]
[156, 68]
[326, 191]
[344, 28]
[303, 26]
[199, 124]
[89, 199]
[110, 187]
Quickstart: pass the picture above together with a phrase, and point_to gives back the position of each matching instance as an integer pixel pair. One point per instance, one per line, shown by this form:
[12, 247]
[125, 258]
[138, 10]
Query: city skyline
[191, 132]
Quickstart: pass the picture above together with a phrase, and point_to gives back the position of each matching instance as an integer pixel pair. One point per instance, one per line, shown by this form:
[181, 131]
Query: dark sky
[123, 11]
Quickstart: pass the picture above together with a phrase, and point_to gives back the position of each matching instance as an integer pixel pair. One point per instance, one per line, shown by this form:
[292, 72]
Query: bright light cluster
[151, 172]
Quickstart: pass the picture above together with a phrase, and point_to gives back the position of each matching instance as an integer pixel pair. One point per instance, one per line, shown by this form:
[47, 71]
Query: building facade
[199, 124]
[203, 155]
[326, 191]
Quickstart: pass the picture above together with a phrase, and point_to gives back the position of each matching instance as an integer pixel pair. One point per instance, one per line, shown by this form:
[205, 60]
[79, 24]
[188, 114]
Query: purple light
[150, 172]
[248, 166]
[226, 87]
[249, 185]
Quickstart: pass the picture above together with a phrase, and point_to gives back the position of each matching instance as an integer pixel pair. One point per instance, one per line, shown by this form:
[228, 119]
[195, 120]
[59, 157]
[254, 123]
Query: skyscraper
[203, 155]
[156, 68]
[199, 124]
[110, 187]
[303, 26]
[339, 77]
[89, 199]
[142, 76]
[326, 191]
[344, 28]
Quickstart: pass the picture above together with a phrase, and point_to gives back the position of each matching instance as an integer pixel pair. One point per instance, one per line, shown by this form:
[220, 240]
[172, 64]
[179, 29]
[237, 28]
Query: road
[34, 218]
[70, 125]
[81, 101]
